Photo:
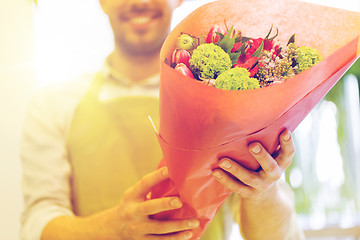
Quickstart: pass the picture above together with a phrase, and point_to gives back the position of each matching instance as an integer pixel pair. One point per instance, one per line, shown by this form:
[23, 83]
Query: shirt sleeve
[46, 170]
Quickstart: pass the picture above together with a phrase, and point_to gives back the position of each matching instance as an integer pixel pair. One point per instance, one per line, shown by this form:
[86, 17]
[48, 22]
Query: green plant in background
[337, 96]
[310, 189]
[304, 162]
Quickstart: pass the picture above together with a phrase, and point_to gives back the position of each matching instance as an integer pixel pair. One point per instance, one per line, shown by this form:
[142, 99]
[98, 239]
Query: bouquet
[264, 88]
[227, 60]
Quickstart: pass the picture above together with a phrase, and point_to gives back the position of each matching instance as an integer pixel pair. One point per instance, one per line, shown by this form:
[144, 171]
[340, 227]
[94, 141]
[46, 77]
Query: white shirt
[46, 169]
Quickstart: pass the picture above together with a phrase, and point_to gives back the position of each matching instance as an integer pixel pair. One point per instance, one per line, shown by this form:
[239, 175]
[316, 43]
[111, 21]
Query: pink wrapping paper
[199, 124]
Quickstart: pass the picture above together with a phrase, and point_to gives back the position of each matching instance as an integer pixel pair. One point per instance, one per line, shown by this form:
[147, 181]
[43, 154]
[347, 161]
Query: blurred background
[43, 44]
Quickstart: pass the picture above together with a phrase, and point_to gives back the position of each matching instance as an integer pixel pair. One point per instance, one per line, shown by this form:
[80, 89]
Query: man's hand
[133, 221]
[253, 184]
[129, 220]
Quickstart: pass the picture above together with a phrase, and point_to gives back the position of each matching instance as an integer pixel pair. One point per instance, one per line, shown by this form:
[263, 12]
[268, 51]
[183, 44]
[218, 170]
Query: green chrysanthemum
[209, 61]
[306, 58]
[236, 79]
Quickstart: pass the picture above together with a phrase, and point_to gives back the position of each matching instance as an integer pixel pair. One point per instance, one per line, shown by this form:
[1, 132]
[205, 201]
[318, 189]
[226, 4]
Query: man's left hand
[253, 184]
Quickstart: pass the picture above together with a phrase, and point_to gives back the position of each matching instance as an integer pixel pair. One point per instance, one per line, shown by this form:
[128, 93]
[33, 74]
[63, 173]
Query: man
[89, 156]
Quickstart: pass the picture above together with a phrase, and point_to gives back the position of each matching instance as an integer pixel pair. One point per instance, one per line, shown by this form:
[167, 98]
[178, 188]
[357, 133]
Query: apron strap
[92, 94]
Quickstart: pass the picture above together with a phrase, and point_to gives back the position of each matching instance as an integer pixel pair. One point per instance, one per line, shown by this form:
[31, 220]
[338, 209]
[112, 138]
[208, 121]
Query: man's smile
[141, 19]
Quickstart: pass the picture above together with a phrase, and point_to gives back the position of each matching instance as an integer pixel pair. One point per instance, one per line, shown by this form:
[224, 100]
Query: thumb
[150, 180]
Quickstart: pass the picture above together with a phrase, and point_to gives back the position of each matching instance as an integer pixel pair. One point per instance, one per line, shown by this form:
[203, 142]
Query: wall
[17, 82]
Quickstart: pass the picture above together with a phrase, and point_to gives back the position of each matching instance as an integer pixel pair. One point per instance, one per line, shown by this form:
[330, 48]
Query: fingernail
[256, 149]
[287, 136]
[217, 174]
[193, 223]
[176, 203]
[225, 164]
[188, 235]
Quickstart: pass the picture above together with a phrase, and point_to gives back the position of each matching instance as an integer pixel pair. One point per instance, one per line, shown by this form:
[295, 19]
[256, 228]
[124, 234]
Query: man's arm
[128, 220]
[267, 208]
[271, 216]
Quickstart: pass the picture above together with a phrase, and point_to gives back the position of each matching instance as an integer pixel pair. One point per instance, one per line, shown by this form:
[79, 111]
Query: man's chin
[141, 48]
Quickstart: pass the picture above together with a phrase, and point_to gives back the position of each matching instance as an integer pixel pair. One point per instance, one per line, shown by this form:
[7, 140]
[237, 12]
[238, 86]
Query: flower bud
[182, 68]
[212, 37]
[185, 42]
[180, 56]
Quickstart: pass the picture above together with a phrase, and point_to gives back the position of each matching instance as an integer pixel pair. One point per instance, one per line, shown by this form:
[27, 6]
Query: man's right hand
[127, 221]
[132, 215]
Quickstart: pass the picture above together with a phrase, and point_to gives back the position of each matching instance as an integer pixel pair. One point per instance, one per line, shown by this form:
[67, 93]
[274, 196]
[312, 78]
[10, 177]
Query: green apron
[111, 146]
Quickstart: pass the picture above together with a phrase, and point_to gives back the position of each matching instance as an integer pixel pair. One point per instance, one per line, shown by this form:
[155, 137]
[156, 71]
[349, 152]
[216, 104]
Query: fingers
[275, 167]
[134, 210]
[266, 161]
[170, 226]
[158, 205]
[287, 149]
[174, 236]
[163, 229]
[237, 186]
[145, 185]
[244, 175]
[249, 183]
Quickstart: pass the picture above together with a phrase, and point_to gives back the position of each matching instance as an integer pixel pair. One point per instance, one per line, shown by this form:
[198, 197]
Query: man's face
[140, 26]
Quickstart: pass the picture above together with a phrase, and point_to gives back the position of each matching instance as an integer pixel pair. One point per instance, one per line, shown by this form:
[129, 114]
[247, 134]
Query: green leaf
[292, 39]
[234, 56]
[277, 33]
[199, 41]
[258, 51]
[221, 36]
[242, 48]
[269, 32]
[227, 43]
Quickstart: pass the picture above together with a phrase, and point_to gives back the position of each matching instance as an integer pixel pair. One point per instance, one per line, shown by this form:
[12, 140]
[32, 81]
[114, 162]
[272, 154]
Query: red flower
[180, 56]
[237, 45]
[212, 37]
[183, 69]
[247, 58]
[249, 65]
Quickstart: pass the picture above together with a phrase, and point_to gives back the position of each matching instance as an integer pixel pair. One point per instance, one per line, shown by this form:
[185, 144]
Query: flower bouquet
[207, 113]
